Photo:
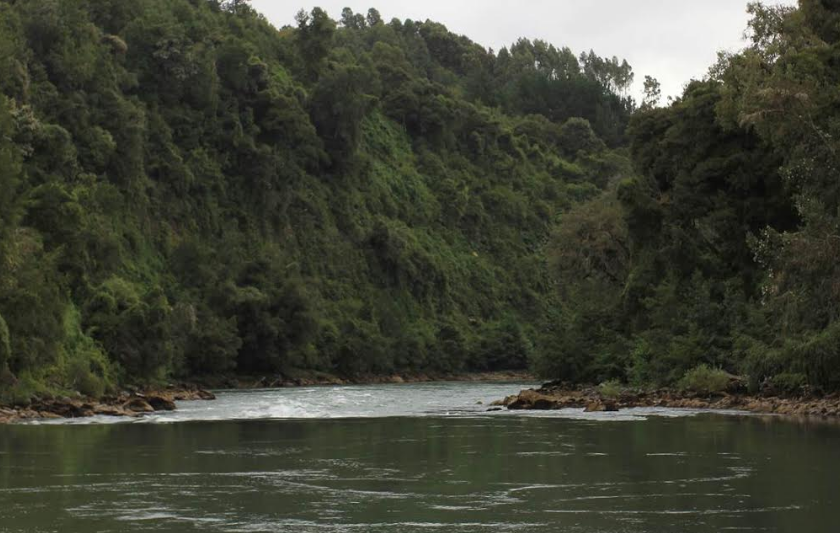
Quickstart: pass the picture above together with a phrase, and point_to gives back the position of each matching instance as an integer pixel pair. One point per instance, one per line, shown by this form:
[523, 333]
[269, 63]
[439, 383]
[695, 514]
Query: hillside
[724, 247]
[188, 191]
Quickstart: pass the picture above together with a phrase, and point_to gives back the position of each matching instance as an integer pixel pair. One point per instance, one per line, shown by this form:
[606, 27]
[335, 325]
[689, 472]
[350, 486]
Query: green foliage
[610, 389]
[212, 347]
[82, 364]
[730, 224]
[22, 391]
[5, 350]
[788, 383]
[705, 380]
[503, 345]
[80, 378]
[186, 190]
[818, 357]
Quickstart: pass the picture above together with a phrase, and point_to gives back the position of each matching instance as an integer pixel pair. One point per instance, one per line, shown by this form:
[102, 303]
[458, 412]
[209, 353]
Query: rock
[531, 399]
[190, 395]
[138, 405]
[504, 403]
[160, 403]
[598, 406]
[494, 409]
[63, 408]
[111, 410]
[7, 415]
[205, 395]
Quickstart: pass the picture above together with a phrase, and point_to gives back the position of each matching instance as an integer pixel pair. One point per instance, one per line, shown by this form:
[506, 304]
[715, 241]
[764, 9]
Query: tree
[314, 37]
[348, 18]
[373, 18]
[10, 169]
[352, 20]
[653, 93]
[237, 7]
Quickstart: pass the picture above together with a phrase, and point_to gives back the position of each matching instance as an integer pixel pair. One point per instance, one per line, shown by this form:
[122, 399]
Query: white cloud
[672, 40]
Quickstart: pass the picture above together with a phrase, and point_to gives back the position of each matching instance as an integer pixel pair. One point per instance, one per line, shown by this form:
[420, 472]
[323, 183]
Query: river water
[417, 458]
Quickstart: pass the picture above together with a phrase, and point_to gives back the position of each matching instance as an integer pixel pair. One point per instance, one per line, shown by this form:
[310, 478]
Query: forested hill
[186, 190]
[723, 253]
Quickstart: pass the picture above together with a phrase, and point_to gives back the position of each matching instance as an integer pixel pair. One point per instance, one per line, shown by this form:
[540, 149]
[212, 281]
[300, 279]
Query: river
[417, 458]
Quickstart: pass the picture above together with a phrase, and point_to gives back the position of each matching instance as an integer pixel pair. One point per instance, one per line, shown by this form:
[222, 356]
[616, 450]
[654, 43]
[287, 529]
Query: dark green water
[416, 473]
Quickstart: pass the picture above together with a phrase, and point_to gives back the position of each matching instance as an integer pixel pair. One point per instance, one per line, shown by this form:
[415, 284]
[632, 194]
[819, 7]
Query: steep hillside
[186, 190]
[722, 252]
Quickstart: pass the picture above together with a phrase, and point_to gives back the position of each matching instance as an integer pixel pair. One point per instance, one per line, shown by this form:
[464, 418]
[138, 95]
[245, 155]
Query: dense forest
[188, 191]
[723, 250]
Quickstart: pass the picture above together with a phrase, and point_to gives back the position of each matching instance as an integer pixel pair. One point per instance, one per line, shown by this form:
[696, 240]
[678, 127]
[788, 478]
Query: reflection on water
[472, 472]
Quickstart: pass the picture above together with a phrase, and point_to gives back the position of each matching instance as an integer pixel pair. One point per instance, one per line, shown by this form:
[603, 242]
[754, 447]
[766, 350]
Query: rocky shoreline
[136, 404]
[128, 405]
[553, 397]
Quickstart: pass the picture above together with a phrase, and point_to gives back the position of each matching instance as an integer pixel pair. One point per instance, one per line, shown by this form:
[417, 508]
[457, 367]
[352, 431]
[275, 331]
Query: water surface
[417, 458]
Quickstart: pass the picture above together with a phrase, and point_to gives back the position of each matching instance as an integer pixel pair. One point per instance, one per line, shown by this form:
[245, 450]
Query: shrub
[610, 389]
[706, 380]
[22, 392]
[789, 383]
[85, 381]
[5, 347]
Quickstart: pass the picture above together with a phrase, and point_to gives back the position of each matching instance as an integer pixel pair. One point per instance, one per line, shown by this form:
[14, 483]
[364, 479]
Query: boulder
[138, 405]
[7, 415]
[601, 406]
[205, 395]
[191, 395]
[532, 400]
[63, 408]
[161, 403]
[111, 410]
[504, 403]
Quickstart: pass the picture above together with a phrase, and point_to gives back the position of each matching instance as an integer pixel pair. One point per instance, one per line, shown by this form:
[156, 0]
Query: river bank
[314, 379]
[129, 405]
[146, 401]
[554, 397]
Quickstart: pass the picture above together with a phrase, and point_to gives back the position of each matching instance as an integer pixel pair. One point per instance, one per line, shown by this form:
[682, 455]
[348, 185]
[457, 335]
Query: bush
[818, 357]
[706, 380]
[789, 383]
[610, 389]
[85, 381]
[5, 348]
[22, 392]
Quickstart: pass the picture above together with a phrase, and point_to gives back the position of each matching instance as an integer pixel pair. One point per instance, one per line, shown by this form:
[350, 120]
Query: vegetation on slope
[185, 190]
[723, 250]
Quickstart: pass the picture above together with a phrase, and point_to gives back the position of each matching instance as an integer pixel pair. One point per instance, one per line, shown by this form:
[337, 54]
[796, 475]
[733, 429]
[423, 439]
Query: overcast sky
[671, 40]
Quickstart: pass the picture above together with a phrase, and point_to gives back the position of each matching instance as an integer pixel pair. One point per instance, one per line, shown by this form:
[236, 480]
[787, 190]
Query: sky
[671, 40]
